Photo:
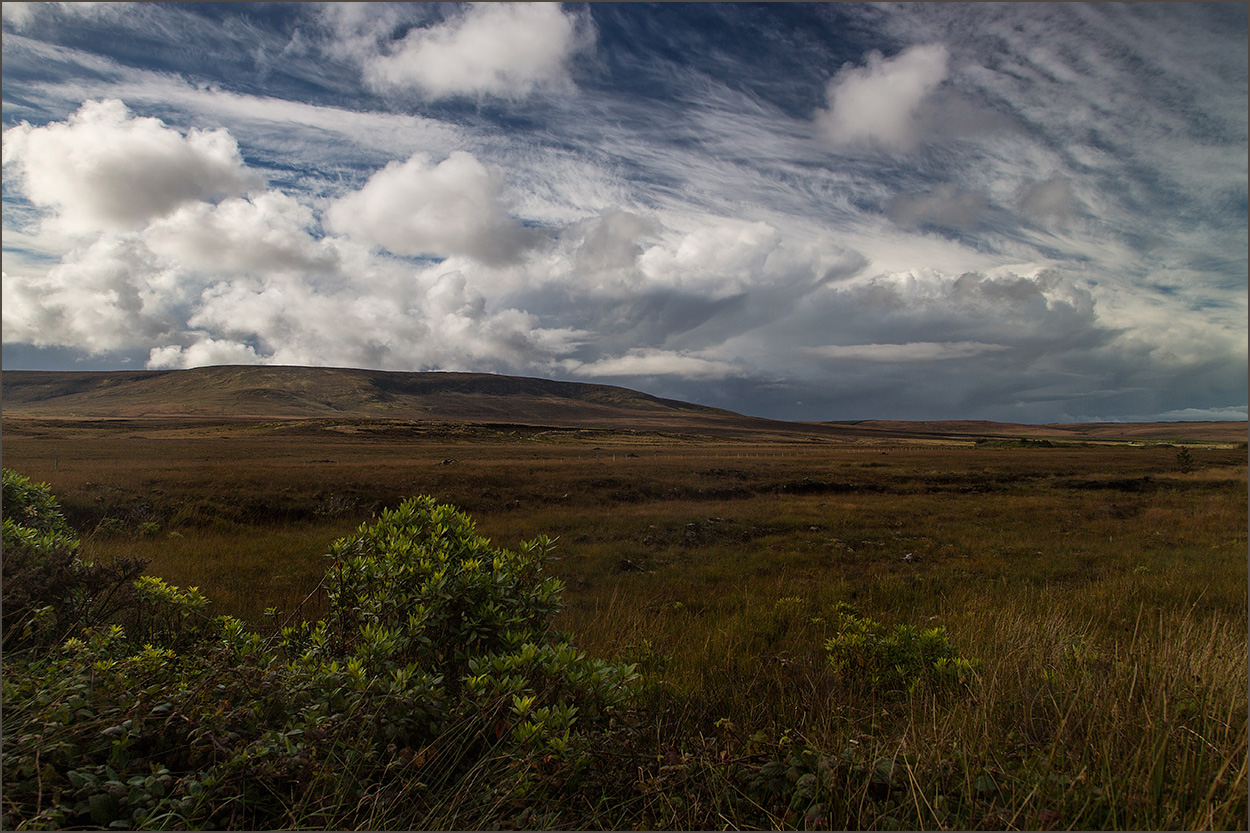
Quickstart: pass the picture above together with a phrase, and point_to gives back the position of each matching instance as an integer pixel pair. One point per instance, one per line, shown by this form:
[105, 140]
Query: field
[1101, 585]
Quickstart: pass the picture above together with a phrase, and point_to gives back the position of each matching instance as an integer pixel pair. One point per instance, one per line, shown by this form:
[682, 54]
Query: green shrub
[49, 593]
[892, 661]
[420, 585]
[32, 505]
[435, 690]
[419, 599]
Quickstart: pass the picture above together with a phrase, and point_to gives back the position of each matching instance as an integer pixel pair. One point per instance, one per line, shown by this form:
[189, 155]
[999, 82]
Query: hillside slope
[282, 393]
[268, 392]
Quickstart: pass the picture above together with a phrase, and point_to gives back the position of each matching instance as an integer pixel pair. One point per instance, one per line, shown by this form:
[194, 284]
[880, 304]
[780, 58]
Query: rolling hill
[285, 393]
[270, 392]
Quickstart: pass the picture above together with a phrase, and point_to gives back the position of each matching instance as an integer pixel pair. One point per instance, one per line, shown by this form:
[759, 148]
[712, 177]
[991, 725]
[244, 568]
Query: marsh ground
[1102, 585]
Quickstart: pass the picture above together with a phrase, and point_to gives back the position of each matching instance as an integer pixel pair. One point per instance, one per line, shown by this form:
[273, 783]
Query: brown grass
[1103, 589]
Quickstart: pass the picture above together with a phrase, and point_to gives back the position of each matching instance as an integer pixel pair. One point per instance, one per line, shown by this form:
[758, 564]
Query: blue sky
[1021, 212]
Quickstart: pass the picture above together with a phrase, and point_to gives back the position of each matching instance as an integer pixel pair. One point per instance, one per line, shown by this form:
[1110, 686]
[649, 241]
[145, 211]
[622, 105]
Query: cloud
[723, 256]
[655, 362]
[928, 343]
[103, 169]
[1019, 321]
[610, 242]
[250, 278]
[631, 282]
[674, 214]
[945, 206]
[417, 208]
[916, 351]
[878, 104]
[315, 138]
[112, 295]
[497, 49]
[388, 318]
[264, 234]
[1049, 201]
[19, 13]
[1230, 413]
[204, 353]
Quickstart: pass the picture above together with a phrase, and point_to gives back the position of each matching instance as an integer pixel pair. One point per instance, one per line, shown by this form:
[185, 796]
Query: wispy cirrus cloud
[915, 351]
[654, 362]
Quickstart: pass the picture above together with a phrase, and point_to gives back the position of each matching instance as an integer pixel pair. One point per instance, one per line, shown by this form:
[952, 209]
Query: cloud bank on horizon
[1028, 212]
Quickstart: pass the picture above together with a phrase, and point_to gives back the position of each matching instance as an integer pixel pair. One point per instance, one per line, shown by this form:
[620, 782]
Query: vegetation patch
[436, 673]
[1103, 631]
[895, 660]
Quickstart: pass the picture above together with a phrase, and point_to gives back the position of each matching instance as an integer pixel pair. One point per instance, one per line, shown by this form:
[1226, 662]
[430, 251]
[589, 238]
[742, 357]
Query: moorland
[873, 625]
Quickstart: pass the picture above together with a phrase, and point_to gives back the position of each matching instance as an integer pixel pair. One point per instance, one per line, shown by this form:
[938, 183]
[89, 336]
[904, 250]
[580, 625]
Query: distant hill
[1224, 432]
[271, 392]
[280, 393]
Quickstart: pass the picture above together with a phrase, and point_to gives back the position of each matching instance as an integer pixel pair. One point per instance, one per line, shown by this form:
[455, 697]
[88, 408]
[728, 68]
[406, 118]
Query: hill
[1222, 432]
[287, 393]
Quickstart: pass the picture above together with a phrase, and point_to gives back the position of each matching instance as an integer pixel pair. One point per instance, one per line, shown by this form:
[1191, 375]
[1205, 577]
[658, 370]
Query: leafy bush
[32, 505]
[48, 591]
[436, 672]
[895, 660]
[420, 586]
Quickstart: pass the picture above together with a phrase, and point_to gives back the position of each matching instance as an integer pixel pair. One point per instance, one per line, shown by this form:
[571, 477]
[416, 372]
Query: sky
[1026, 212]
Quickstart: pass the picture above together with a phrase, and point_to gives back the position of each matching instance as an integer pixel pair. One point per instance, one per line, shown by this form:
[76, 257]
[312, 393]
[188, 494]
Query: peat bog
[1096, 587]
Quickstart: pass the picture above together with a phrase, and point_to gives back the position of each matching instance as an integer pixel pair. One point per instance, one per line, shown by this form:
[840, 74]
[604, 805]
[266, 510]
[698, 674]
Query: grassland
[1101, 585]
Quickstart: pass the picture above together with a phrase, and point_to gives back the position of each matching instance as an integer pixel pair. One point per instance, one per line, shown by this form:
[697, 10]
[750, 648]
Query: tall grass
[245, 571]
[1070, 724]
[1102, 591]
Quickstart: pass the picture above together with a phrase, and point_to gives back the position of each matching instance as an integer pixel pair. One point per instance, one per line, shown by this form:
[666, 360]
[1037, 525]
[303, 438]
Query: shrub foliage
[436, 667]
[49, 592]
[894, 661]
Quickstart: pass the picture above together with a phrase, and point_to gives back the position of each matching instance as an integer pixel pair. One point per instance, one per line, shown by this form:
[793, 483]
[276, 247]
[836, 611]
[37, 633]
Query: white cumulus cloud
[387, 316]
[106, 169]
[878, 104]
[267, 233]
[204, 353]
[497, 49]
[112, 295]
[724, 256]
[418, 208]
